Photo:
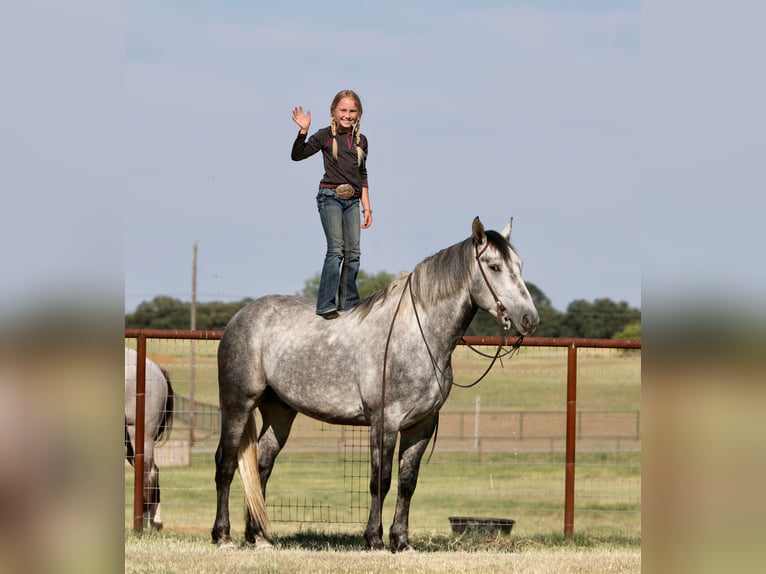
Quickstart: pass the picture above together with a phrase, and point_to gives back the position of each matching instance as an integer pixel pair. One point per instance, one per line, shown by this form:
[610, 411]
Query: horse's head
[497, 286]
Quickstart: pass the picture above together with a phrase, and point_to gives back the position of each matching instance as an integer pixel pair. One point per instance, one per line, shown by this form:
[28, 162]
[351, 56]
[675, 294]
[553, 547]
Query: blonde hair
[357, 127]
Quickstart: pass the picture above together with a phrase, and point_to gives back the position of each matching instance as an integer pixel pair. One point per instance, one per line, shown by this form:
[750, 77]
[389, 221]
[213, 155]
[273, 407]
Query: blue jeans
[341, 224]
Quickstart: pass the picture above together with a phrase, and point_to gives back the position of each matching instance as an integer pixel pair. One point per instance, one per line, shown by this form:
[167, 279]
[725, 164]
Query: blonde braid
[359, 151]
[334, 132]
[333, 128]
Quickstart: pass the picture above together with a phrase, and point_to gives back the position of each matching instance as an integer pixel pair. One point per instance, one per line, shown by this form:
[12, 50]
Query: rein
[500, 310]
[515, 347]
[503, 343]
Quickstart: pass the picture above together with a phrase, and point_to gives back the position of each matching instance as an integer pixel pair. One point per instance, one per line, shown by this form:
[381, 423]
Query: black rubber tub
[461, 524]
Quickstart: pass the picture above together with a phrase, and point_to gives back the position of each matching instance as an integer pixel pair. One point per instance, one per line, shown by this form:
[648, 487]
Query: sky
[492, 109]
[625, 141]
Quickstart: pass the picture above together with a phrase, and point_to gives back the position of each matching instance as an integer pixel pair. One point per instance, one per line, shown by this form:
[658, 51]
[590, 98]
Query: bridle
[500, 306]
[500, 310]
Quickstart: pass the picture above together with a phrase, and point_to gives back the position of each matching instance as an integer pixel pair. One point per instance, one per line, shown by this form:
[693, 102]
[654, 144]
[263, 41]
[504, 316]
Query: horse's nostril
[529, 322]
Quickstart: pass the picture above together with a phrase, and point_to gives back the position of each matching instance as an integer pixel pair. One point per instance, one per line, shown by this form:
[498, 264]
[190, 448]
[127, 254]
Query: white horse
[158, 420]
[385, 364]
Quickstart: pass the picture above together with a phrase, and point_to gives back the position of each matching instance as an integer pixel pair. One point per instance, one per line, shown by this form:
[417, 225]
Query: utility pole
[192, 358]
[194, 288]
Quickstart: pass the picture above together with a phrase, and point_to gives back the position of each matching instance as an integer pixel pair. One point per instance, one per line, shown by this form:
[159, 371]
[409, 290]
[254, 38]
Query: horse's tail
[247, 462]
[166, 419]
[129, 454]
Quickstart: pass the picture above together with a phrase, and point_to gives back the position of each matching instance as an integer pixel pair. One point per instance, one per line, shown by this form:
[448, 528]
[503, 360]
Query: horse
[385, 364]
[158, 421]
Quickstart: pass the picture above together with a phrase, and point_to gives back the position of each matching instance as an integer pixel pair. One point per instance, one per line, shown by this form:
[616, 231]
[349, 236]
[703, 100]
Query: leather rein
[500, 310]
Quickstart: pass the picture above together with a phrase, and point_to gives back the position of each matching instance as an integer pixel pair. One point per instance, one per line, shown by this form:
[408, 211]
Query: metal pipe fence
[606, 433]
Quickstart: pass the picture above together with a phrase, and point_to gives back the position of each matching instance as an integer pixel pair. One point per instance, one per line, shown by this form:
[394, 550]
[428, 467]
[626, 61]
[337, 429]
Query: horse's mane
[446, 272]
[439, 275]
[366, 305]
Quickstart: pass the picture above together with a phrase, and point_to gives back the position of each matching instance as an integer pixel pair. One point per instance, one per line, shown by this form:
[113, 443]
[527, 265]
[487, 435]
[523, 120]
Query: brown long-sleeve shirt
[343, 170]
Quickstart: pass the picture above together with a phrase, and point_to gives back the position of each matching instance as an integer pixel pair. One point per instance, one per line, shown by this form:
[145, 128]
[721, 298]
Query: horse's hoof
[263, 544]
[403, 549]
[226, 544]
[157, 526]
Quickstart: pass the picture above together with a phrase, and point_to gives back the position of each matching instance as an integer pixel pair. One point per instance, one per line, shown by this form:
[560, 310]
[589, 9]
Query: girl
[343, 185]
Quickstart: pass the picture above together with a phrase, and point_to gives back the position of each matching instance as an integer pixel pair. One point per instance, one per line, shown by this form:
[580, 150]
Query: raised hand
[301, 118]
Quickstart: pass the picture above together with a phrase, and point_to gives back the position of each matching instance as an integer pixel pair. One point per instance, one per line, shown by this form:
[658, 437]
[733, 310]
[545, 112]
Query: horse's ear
[506, 232]
[478, 231]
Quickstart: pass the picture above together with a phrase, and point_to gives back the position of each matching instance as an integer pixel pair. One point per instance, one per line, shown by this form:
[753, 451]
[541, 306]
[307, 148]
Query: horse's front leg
[412, 445]
[380, 482]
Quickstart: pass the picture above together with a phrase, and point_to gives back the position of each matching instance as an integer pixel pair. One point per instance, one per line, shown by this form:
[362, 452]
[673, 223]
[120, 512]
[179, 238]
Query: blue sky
[495, 109]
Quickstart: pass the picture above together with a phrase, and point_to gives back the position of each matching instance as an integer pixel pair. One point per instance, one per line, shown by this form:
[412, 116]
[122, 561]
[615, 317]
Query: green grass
[310, 488]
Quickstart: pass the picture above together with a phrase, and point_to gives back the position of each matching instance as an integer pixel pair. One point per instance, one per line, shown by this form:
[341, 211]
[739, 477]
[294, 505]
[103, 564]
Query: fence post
[192, 360]
[138, 450]
[476, 430]
[476, 414]
[570, 439]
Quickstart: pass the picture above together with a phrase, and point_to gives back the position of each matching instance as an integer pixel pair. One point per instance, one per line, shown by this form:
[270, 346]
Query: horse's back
[311, 363]
[269, 319]
[156, 388]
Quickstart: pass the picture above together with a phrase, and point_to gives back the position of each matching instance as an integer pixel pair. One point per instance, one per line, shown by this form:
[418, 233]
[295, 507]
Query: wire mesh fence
[499, 450]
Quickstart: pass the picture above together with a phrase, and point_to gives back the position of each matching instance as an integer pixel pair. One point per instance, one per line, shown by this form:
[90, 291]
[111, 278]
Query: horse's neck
[443, 319]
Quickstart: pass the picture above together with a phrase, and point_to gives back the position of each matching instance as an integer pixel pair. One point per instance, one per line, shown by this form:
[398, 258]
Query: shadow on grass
[466, 542]
[315, 540]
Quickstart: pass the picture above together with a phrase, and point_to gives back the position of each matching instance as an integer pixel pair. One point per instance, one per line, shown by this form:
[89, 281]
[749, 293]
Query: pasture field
[313, 488]
[499, 453]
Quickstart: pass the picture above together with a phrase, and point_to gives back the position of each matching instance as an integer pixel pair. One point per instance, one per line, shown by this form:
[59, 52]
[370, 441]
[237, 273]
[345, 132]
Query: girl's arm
[366, 210]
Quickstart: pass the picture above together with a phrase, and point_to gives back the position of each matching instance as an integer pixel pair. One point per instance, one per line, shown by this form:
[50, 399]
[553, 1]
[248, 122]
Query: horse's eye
[494, 267]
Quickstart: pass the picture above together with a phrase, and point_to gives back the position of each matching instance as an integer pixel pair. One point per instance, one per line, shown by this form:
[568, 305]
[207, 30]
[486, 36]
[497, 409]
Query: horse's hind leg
[277, 421]
[412, 445]
[233, 420]
[151, 486]
[380, 483]
[155, 519]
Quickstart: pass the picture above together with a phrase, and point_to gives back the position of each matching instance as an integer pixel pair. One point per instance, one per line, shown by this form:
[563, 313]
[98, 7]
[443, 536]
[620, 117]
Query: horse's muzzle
[529, 323]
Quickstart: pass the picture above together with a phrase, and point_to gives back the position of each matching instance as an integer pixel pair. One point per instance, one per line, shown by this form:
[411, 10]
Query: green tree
[367, 284]
[485, 324]
[550, 318]
[630, 331]
[216, 314]
[169, 313]
[160, 313]
[601, 319]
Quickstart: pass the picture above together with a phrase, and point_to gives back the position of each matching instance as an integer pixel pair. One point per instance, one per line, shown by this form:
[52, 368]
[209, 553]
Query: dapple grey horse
[158, 420]
[385, 364]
